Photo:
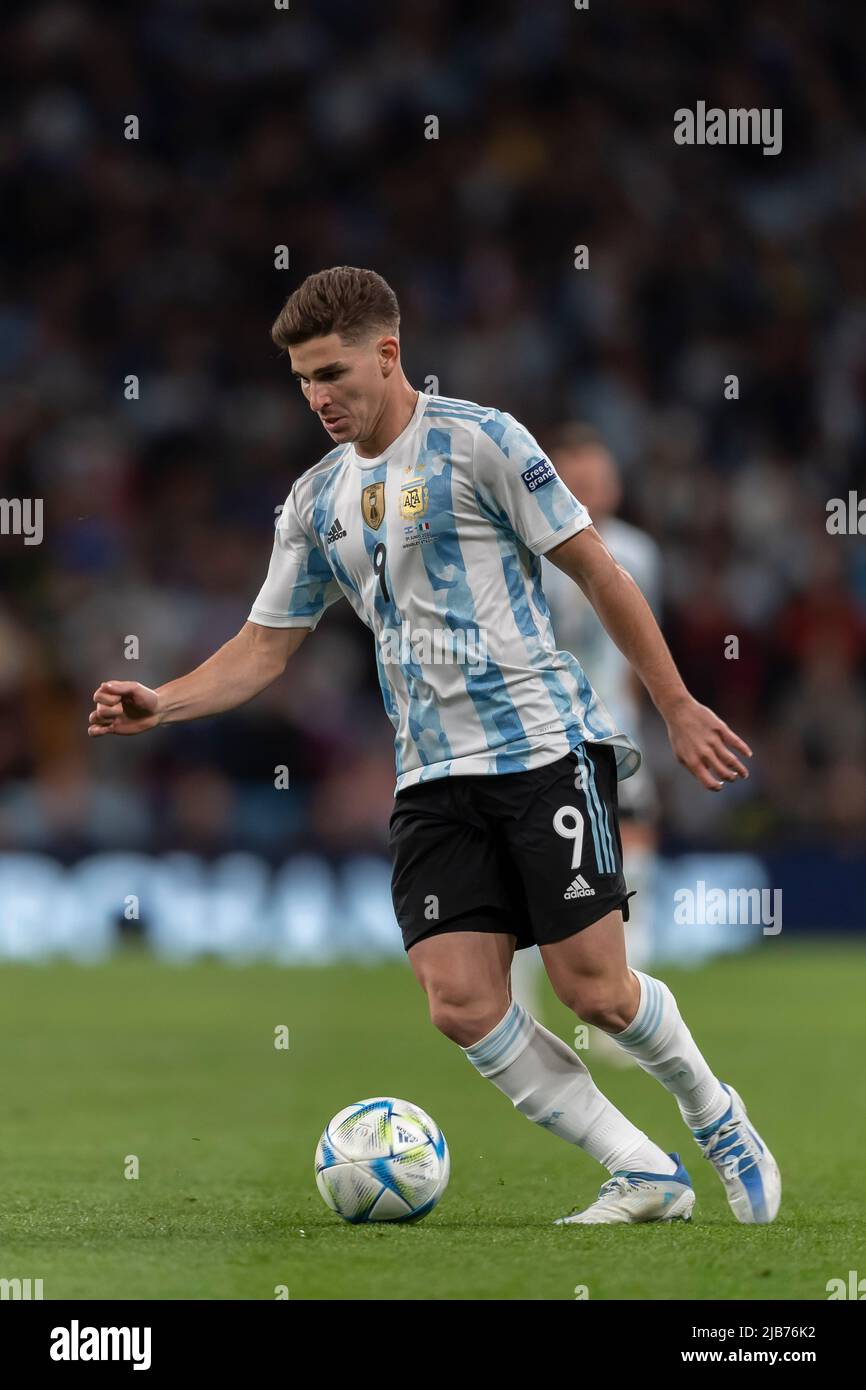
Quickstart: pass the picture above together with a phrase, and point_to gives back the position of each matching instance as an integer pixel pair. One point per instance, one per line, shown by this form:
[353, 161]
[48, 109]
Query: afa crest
[414, 499]
[373, 505]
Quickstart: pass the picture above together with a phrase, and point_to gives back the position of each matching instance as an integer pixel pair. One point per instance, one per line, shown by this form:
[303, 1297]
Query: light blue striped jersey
[436, 545]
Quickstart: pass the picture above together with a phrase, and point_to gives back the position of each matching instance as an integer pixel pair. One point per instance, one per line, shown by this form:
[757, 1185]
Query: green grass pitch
[177, 1065]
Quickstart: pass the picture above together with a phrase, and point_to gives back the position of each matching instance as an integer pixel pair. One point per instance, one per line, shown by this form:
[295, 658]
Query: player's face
[344, 385]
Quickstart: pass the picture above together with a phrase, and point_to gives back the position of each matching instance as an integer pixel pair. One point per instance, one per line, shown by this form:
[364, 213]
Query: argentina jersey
[436, 543]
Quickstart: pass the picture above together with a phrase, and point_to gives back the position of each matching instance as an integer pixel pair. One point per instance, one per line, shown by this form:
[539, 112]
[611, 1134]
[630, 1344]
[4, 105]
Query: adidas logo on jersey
[579, 889]
[336, 532]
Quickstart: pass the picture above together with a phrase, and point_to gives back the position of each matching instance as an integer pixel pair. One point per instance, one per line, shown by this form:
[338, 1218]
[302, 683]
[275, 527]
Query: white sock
[660, 1042]
[549, 1084]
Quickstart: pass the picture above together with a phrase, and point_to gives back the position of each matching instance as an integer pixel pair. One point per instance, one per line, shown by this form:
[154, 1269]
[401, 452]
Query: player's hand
[705, 745]
[123, 707]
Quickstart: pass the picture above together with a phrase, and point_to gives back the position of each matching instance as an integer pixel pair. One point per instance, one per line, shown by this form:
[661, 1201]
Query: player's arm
[702, 742]
[239, 670]
[298, 587]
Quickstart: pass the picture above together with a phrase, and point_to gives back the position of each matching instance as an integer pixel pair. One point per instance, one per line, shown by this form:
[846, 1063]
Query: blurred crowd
[152, 260]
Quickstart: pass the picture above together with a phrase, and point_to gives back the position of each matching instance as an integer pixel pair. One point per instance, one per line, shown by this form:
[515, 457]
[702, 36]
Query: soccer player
[430, 515]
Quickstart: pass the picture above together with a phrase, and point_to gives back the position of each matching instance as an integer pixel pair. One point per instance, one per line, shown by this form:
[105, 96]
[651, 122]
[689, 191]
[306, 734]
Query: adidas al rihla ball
[382, 1160]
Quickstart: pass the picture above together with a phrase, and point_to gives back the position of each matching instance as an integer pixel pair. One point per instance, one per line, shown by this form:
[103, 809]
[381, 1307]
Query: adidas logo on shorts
[579, 889]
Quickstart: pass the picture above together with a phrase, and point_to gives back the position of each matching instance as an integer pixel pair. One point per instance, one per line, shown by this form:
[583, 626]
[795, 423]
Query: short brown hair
[345, 300]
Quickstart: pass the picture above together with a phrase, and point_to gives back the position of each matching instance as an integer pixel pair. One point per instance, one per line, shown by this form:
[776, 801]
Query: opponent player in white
[430, 515]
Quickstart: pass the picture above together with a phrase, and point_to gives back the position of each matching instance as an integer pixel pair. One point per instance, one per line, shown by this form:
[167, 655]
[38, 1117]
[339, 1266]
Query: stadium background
[155, 257]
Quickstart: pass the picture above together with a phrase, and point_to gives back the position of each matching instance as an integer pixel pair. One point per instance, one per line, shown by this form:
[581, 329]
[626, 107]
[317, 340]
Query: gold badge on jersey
[414, 499]
[373, 505]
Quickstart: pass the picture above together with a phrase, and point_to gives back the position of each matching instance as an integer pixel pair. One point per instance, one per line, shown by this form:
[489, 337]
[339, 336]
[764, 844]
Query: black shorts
[536, 853]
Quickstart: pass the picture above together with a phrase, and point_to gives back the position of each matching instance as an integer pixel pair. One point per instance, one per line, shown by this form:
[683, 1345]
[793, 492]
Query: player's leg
[638, 844]
[636, 811]
[465, 977]
[589, 973]
[461, 910]
[566, 846]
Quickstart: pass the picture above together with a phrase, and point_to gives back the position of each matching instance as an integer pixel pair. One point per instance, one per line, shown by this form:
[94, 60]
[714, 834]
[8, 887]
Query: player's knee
[601, 1003]
[464, 1021]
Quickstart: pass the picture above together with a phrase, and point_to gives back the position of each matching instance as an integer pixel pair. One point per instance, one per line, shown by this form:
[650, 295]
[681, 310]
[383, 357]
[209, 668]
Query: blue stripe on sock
[504, 1035]
[652, 1016]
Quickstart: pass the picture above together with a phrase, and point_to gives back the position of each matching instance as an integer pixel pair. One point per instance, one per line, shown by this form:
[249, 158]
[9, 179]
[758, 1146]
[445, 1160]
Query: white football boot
[630, 1196]
[749, 1173]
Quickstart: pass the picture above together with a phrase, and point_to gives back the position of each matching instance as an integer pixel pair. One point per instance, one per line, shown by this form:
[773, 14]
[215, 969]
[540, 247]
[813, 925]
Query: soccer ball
[382, 1160]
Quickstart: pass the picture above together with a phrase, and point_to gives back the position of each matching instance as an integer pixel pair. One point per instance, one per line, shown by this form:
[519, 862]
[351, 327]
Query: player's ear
[388, 353]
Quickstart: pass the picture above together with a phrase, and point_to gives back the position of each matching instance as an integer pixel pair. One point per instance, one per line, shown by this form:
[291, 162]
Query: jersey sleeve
[300, 583]
[519, 487]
